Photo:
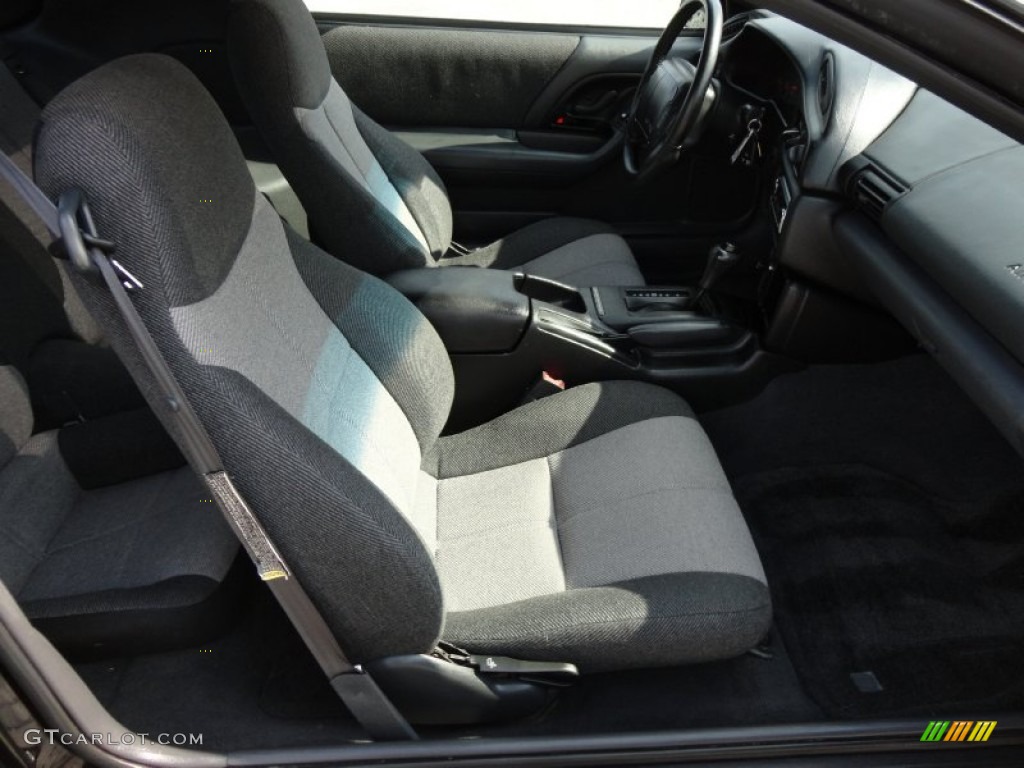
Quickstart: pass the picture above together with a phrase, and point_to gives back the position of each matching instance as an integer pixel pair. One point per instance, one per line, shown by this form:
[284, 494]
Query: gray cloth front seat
[372, 200]
[595, 526]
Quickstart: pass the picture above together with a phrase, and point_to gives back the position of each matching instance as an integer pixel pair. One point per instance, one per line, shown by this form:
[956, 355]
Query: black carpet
[890, 519]
[744, 691]
[872, 575]
[226, 690]
[258, 687]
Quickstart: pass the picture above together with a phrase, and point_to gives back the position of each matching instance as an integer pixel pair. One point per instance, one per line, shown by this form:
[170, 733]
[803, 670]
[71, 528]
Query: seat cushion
[578, 252]
[135, 566]
[596, 526]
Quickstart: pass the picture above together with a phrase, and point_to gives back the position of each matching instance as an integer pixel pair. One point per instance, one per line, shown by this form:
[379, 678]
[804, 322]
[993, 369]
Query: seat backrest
[15, 413]
[372, 200]
[320, 386]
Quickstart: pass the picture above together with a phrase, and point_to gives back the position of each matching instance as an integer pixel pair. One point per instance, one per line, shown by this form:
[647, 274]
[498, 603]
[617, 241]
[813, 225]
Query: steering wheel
[673, 96]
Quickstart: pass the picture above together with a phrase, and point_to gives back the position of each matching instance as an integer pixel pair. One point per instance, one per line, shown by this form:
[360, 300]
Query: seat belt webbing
[71, 223]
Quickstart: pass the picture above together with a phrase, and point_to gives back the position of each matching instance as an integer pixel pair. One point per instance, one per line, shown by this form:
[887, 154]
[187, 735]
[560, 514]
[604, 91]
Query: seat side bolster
[415, 180]
[655, 621]
[552, 424]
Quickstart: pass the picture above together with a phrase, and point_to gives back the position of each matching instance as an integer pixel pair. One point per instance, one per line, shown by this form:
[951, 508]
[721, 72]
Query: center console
[660, 318]
[504, 329]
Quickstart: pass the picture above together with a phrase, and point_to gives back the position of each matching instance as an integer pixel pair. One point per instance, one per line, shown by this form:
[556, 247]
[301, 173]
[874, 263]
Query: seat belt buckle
[459, 249]
[545, 386]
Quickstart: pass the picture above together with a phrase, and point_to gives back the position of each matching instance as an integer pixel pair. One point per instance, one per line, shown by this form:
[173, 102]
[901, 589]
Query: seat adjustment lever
[554, 673]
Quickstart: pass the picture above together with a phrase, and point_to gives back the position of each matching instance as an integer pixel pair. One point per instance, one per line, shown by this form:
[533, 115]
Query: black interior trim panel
[965, 228]
[953, 137]
[426, 76]
[982, 366]
[490, 154]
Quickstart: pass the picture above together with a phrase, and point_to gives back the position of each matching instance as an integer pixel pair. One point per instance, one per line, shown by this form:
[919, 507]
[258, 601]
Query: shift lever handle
[720, 261]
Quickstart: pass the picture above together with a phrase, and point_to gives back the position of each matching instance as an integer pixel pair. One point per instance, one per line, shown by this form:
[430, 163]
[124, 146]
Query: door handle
[595, 106]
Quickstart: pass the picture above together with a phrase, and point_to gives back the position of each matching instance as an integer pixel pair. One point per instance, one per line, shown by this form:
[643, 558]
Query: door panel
[525, 124]
[442, 77]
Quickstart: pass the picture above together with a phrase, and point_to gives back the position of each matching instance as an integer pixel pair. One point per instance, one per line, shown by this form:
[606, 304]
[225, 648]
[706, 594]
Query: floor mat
[219, 691]
[889, 600]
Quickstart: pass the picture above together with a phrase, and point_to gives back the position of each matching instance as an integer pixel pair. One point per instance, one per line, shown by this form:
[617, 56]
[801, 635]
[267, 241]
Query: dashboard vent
[875, 190]
[827, 87]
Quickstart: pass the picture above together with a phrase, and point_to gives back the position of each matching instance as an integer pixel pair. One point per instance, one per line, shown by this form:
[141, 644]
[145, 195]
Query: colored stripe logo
[959, 730]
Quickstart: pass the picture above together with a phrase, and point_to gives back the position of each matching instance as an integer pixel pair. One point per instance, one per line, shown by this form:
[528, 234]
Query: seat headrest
[279, 40]
[159, 166]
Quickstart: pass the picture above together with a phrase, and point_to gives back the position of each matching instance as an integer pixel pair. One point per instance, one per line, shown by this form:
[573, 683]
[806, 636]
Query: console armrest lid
[473, 310]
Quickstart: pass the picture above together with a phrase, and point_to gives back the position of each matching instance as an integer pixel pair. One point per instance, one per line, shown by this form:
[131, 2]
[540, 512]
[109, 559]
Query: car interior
[582, 380]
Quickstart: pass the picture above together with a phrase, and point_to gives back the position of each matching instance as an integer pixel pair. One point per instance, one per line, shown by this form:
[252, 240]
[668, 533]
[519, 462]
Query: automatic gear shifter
[721, 260]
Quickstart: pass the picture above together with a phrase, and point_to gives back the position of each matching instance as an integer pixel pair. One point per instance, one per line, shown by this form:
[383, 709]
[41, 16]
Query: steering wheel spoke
[673, 95]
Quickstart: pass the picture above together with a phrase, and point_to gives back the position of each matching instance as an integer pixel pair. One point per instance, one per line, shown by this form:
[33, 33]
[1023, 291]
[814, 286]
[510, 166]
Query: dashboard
[897, 198]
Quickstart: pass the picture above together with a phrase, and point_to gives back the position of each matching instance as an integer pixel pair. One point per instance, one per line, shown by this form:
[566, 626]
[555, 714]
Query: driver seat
[372, 200]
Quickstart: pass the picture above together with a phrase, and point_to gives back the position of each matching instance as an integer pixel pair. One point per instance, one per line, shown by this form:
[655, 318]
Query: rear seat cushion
[133, 567]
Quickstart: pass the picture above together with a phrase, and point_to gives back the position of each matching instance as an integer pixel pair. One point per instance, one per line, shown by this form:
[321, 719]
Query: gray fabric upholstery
[15, 413]
[573, 251]
[67, 552]
[134, 535]
[394, 339]
[531, 242]
[325, 390]
[332, 127]
[645, 500]
[313, 133]
[372, 200]
[125, 561]
[416, 181]
[659, 621]
[497, 539]
[364, 564]
[212, 192]
[294, 353]
[594, 260]
[626, 499]
[545, 427]
[37, 492]
[300, 75]
[118, 557]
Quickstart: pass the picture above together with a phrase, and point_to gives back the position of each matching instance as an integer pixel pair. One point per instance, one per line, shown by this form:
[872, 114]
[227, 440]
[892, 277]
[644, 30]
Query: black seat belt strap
[71, 223]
